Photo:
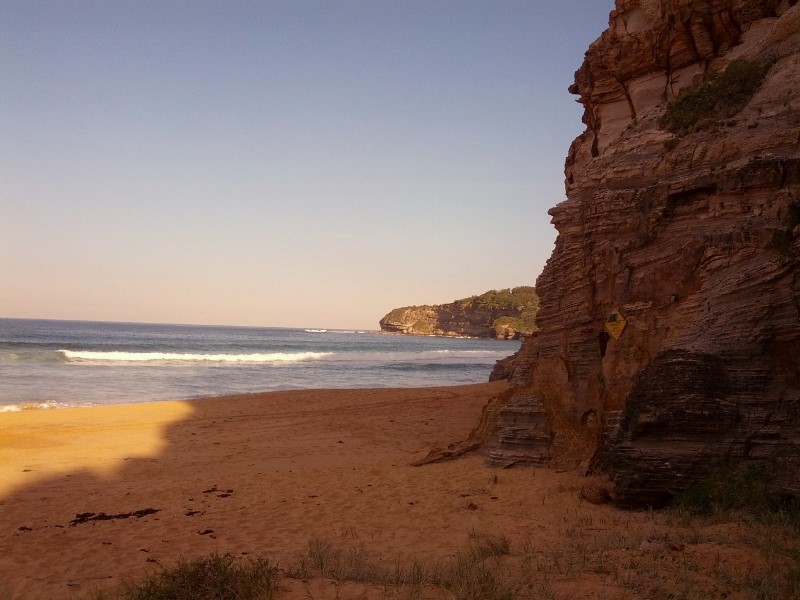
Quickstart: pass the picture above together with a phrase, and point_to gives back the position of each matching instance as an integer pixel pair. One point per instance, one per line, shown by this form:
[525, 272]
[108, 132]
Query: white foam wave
[428, 356]
[316, 331]
[126, 357]
[27, 406]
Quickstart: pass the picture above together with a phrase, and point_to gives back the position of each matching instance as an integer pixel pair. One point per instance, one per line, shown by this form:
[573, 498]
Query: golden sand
[263, 474]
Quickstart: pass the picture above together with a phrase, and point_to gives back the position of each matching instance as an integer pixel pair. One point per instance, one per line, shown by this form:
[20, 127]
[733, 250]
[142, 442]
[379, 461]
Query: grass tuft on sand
[218, 577]
[736, 491]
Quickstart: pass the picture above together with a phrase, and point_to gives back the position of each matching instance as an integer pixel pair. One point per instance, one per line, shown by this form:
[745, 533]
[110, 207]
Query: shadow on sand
[116, 491]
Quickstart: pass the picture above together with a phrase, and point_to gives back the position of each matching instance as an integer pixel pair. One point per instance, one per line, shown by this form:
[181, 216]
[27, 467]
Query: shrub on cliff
[715, 99]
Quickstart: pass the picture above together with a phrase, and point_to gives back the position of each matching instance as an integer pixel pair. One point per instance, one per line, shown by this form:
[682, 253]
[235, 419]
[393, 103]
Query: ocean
[52, 364]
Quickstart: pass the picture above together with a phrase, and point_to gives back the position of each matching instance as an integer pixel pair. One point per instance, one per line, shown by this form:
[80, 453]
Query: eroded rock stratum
[695, 240]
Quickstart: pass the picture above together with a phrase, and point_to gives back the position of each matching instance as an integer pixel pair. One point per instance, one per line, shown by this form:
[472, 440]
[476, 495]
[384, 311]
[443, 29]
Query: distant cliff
[670, 319]
[502, 314]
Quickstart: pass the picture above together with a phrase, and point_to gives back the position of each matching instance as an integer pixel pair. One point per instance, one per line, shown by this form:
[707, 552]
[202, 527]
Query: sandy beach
[92, 497]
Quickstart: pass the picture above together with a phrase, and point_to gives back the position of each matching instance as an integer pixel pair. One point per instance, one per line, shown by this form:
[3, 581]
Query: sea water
[51, 364]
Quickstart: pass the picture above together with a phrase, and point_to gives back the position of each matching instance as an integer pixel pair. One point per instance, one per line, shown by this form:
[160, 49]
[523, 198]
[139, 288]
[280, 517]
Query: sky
[287, 163]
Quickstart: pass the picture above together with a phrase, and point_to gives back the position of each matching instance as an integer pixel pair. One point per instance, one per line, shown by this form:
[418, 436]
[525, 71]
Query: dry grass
[214, 578]
[669, 555]
[673, 554]
[471, 574]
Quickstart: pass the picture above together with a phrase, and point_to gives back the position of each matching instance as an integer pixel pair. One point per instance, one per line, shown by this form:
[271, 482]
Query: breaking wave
[27, 406]
[174, 357]
[429, 356]
[426, 356]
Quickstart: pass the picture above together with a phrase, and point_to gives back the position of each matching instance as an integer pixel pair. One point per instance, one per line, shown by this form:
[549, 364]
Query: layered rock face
[694, 240]
[450, 320]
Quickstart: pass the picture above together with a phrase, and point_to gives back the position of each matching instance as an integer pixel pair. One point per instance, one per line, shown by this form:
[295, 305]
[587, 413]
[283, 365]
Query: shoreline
[29, 406]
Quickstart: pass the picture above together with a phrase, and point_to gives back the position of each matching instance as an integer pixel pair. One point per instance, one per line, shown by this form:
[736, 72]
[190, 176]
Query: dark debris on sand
[90, 516]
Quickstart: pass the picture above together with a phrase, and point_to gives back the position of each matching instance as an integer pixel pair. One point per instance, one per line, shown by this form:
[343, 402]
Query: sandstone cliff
[690, 244]
[501, 314]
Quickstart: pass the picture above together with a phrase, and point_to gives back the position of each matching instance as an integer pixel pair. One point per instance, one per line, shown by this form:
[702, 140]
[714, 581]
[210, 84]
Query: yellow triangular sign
[615, 323]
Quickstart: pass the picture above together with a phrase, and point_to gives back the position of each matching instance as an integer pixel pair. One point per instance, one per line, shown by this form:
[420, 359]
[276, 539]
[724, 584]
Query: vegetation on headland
[518, 298]
[506, 313]
[715, 99]
[522, 299]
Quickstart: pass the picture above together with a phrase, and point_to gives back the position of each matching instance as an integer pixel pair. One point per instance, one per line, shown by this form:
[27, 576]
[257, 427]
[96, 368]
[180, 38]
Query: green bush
[716, 99]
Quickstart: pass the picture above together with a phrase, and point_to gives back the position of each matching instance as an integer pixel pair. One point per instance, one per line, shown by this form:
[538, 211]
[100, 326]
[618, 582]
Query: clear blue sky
[280, 163]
